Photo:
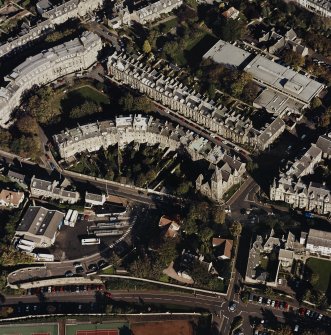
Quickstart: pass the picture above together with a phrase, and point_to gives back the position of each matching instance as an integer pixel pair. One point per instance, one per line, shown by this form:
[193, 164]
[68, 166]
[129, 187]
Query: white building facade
[73, 56]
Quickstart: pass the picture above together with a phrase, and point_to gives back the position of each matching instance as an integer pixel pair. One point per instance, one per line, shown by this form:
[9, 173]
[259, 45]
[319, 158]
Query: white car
[296, 328]
[320, 317]
[260, 300]
[268, 302]
[273, 303]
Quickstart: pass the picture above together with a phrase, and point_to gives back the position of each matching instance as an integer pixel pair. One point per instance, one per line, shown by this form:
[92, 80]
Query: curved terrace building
[224, 170]
[76, 55]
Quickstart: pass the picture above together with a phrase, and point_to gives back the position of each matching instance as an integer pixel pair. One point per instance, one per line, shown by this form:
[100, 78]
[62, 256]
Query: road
[217, 306]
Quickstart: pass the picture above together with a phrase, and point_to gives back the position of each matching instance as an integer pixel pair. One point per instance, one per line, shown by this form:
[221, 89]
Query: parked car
[273, 303]
[93, 267]
[260, 300]
[69, 274]
[268, 302]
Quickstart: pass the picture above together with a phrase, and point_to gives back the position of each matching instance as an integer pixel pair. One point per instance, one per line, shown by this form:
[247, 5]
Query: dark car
[69, 274]
[93, 267]
[79, 270]
[102, 263]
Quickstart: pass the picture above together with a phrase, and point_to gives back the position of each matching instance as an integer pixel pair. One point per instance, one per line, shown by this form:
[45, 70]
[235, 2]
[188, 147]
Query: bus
[90, 241]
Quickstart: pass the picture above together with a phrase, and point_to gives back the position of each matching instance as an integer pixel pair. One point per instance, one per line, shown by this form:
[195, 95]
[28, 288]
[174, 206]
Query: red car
[277, 304]
[108, 294]
[286, 306]
[302, 311]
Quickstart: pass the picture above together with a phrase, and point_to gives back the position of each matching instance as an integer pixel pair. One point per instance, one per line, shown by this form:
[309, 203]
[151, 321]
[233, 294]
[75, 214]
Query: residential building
[225, 170]
[290, 188]
[38, 227]
[319, 7]
[274, 41]
[148, 13]
[73, 56]
[52, 15]
[319, 242]
[231, 13]
[284, 250]
[40, 188]
[94, 199]
[171, 93]
[222, 247]
[170, 226]
[71, 9]
[18, 178]
[11, 199]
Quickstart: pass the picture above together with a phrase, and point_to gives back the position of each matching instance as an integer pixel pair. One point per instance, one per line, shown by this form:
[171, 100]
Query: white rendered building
[73, 56]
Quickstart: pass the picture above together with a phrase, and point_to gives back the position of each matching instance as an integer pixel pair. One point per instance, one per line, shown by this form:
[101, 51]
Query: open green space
[79, 95]
[122, 327]
[29, 329]
[322, 268]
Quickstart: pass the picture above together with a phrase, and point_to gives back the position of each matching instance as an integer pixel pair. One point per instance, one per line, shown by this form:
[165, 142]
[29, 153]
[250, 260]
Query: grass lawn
[323, 269]
[79, 95]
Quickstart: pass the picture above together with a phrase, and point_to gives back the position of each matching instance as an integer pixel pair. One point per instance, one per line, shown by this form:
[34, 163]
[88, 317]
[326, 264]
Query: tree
[27, 125]
[168, 251]
[147, 47]
[314, 278]
[315, 103]
[190, 226]
[293, 58]
[235, 229]
[143, 104]
[126, 102]
[87, 108]
[219, 215]
[284, 330]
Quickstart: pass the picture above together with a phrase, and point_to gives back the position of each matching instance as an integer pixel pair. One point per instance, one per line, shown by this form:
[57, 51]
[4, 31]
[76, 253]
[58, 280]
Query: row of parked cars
[79, 269]
[272, 303]
[66, 288]
[303, 312]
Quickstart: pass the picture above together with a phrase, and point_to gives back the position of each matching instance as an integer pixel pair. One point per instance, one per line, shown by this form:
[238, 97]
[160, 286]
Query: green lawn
[29, 329]
[323, 269]
[73, 328]
[78, 96]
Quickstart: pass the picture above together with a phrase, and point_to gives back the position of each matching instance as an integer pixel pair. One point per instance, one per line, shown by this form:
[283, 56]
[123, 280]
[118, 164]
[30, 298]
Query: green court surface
[29, 329]
[113, 328]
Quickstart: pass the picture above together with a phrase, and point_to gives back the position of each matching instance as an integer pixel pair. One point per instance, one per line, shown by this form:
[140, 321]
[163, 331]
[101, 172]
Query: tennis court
[95, 329]
[30, 329]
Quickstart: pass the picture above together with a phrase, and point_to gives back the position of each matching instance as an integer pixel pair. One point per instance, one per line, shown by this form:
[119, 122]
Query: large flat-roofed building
[39, 226]
[73, 56]
[284, 80]
[320, 7]
[319, 242]
[228, 54]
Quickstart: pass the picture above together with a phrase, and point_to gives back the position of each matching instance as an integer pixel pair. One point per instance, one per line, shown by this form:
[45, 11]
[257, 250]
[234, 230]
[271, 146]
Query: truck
[73, 218]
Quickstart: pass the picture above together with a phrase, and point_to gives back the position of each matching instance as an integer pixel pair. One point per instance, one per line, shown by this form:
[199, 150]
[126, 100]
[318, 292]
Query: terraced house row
[73, 56]
[230, 123]
[224, 170]
[51, 16]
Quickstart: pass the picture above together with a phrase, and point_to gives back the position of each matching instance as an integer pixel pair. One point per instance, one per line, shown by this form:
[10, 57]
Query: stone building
[225, 171]
[320, 7]
[73, 56]
[169, 92]
[149, 13]
[290, 188]
[51, 16]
